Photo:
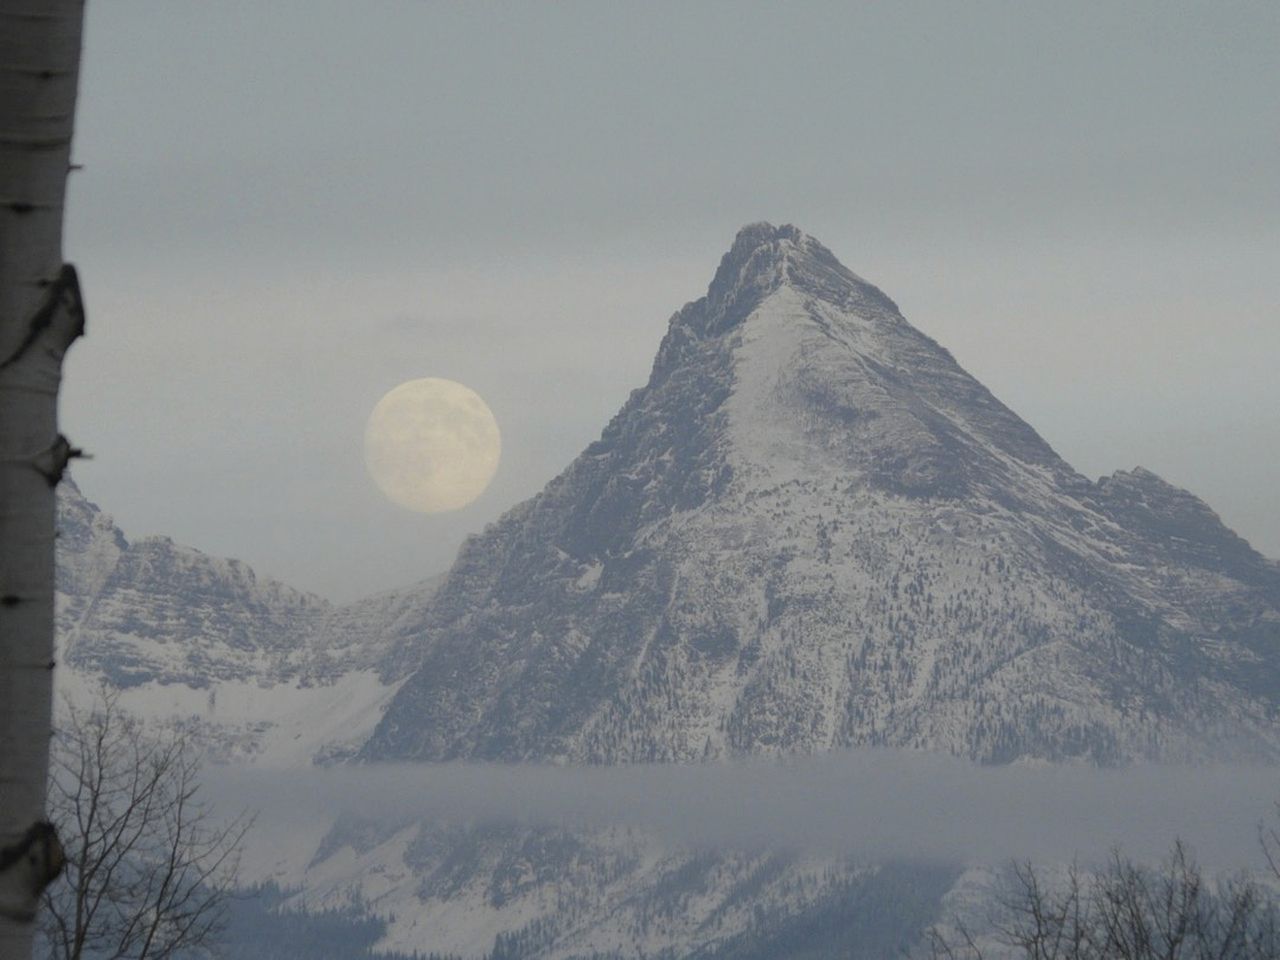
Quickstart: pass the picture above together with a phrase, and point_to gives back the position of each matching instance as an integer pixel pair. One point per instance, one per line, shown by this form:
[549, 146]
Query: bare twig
[149, 867]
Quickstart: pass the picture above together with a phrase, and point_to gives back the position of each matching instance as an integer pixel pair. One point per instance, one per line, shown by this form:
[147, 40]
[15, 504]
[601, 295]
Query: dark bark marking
[41, 852]
[52, 464]
[64, 291]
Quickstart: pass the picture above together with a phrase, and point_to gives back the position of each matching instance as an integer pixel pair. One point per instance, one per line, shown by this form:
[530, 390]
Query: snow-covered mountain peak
[821, 371]
[811, 529]
[762, 259]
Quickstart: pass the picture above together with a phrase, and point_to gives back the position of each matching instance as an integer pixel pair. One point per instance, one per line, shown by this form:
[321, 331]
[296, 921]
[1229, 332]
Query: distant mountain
[259, 670]
[812, 529]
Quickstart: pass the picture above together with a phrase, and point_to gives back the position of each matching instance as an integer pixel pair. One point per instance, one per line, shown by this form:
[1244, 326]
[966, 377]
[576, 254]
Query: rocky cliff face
[812, 529]
[256, 669]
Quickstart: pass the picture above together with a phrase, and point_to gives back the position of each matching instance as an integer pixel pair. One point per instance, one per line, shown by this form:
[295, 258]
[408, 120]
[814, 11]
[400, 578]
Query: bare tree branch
[149, 867]
[1127, 911]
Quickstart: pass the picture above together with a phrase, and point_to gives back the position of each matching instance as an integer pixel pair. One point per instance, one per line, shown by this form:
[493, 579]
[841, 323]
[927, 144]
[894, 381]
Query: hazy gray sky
[289, 208]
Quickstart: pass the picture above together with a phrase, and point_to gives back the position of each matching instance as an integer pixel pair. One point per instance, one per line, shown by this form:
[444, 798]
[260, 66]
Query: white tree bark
[40, 315]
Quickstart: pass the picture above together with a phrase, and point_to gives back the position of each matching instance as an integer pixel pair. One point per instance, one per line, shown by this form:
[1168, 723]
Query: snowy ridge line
[251, 669]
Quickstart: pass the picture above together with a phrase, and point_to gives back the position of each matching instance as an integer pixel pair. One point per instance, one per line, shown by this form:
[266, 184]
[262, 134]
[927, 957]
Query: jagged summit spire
[763, 233]
[764, 257]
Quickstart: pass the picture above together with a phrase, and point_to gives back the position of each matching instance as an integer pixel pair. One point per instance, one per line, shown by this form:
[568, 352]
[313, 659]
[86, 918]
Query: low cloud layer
[877, 804]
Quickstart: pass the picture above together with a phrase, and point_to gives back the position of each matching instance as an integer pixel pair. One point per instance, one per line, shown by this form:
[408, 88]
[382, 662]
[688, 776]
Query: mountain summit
[812, 529]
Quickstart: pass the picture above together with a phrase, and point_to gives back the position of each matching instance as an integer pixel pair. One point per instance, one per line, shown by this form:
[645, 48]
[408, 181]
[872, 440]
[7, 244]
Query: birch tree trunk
[40, 315]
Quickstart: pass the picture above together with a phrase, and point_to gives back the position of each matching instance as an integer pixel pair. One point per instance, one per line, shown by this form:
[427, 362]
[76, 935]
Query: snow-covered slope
[509, 891]
[255, 669]
[813, 529]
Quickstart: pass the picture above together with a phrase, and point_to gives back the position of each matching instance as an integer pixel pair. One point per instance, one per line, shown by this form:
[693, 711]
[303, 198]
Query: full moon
[432, 445]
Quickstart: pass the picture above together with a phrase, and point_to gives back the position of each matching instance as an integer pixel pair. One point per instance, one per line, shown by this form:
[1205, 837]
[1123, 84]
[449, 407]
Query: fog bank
[867, 803]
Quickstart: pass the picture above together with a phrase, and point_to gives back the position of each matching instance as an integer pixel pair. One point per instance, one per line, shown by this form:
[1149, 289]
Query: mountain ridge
[252, 669]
